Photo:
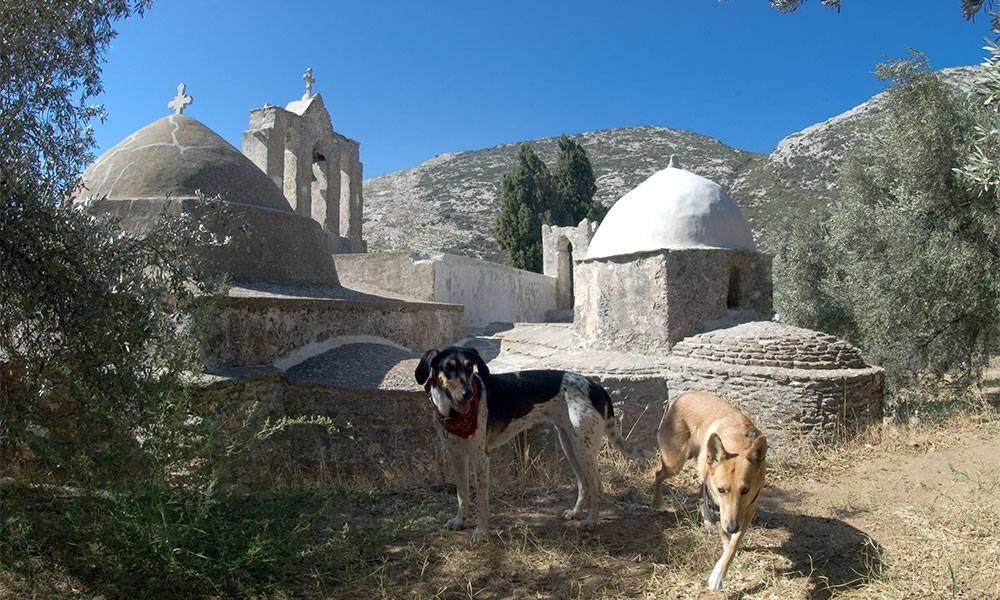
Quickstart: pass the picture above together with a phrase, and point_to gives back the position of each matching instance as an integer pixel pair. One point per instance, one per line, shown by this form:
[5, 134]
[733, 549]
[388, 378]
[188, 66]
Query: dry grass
[898, 512]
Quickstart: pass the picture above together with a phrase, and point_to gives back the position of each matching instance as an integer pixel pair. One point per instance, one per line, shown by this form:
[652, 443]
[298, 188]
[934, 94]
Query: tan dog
[731, 453]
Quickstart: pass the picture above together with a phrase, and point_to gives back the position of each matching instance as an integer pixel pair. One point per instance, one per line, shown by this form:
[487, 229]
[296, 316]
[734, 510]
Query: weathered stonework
[384, 437]
[161, 168]
[490, 292]
[317, 169]
[649, 301]
[561, 248]
[794, 382]
[261, 330]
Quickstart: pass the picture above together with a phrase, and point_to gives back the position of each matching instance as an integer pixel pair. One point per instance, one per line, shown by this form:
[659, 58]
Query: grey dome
[172, 158]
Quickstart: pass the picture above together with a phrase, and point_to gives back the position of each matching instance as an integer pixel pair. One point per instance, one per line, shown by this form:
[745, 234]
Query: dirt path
[916, 518]
[913, 515]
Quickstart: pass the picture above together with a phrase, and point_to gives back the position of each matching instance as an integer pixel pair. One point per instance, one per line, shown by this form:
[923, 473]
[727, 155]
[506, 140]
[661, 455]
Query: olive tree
[907, 264]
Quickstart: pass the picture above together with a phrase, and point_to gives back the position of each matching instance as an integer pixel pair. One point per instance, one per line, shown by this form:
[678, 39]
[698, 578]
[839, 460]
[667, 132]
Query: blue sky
[411, 80]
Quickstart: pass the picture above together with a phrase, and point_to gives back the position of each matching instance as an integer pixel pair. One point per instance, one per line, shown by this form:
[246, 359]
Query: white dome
[671, 210]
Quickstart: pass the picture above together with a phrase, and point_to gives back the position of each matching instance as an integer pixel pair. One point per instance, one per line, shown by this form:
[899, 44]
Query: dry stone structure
[794, 381]
[670, 293]
[286, 303]
[161, 167]
[561, 248]
[318, 169]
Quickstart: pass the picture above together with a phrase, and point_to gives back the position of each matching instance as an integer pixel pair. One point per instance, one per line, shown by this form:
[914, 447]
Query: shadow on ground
[632, 544]
[834, 555]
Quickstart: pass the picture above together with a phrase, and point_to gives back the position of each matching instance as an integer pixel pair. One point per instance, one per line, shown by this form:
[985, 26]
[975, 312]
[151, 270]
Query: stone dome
[673, 209]
[771, 344]
[792, 381]
[157, 170]
[172, 158]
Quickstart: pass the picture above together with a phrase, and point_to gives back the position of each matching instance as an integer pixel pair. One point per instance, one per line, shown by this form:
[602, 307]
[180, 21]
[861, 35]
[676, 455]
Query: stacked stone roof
[771, 344]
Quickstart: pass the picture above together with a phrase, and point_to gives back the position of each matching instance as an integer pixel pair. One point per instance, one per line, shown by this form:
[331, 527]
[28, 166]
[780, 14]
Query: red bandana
[462, 425]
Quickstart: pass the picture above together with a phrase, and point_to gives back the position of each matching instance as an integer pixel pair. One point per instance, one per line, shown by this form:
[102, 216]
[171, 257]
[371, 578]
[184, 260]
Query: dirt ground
[901, 513]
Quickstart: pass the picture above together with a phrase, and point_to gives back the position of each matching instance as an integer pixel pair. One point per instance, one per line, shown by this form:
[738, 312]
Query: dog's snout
[732, 528]
[466, 393]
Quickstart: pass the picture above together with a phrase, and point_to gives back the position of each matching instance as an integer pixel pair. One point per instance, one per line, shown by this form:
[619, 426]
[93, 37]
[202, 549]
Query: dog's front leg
[729, 547]
[482, 497]
[460, 469]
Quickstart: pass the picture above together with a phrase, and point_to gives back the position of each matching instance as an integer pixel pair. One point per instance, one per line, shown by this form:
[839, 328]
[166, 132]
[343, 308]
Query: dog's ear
[484, 371]
[716, 451]
[423, 371]
[758, 450]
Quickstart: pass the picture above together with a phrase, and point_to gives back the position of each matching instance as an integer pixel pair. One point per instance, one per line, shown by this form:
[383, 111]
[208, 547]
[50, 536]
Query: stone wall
[490, 292]
[787, 404]
[792, 381]
[561, 248]
[278, 245]
[384, 437]
[649, 301]
[620, 303]
[639, 403]
[397, 273]
[705, 285]
[262, 330]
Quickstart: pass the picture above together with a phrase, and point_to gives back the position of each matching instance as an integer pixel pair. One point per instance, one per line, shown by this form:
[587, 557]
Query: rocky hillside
[449, 203]
[805, 168]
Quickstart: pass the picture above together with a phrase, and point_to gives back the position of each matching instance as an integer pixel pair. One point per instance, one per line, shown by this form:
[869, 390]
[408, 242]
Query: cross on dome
[180, 101]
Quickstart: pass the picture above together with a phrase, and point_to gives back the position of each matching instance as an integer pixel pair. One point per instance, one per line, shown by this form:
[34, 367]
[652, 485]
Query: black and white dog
[477, 411]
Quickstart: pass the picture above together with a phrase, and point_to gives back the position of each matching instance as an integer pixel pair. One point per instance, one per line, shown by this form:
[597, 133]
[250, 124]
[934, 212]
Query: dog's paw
[455, 523]
[479, 535]
[570, 514]
[715, 579]
[588, 523]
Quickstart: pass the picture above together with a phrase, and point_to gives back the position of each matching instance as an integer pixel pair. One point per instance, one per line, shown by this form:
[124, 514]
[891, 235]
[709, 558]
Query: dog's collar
[711, 508]
[462, 425]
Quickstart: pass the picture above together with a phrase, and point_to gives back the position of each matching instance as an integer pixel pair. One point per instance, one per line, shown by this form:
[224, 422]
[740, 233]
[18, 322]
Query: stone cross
[310, 80]
[180, 101]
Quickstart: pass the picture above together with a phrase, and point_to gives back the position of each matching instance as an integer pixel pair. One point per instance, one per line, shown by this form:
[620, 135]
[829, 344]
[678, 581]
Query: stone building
[318, 169]
[673, 257]
[288, 338]
[671, 294]
[286, 303]
[159, 168]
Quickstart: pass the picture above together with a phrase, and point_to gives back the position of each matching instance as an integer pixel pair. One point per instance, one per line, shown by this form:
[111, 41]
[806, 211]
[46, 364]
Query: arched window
[564, 273]
[319, 187]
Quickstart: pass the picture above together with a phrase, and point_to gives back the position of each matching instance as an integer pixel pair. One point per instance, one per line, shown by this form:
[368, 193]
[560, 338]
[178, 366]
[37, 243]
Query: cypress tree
[527, 200]
[575, 184]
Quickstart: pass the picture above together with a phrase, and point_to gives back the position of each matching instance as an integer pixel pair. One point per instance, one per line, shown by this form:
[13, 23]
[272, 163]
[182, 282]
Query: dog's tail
[615, 438]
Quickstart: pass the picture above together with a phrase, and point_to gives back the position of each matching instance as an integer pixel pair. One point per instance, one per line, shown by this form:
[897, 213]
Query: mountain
[805, 168]
[450, 202]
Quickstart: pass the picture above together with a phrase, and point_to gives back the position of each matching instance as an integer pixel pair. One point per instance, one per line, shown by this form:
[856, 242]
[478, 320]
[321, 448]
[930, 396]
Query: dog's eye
[723, 491]
[743, 491]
